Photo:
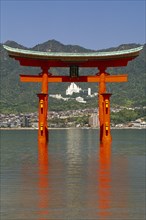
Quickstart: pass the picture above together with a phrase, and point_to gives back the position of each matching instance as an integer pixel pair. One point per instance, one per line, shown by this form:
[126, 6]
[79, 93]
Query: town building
[93, 120]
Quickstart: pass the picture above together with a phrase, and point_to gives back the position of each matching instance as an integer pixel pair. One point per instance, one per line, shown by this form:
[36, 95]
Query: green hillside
[21, 97]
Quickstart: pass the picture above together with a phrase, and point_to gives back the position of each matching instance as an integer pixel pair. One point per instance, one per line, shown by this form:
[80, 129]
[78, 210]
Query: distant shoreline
[72, 128]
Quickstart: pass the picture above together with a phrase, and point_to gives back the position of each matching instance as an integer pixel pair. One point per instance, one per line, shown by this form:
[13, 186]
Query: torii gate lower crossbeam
[104, 101]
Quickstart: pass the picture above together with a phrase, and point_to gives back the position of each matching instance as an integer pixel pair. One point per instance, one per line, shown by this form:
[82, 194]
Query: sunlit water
[74, 179]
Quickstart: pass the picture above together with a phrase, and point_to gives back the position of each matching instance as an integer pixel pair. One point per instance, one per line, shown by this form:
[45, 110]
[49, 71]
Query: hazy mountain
[21, 97]
[55, 46]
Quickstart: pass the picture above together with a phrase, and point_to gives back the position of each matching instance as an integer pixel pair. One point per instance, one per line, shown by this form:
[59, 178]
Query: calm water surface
[74, 179]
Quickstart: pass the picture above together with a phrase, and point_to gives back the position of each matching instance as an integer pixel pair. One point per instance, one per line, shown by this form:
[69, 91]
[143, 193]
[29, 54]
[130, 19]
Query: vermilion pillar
[43, 109]
[102, 89]
[45, 88]
[106, 136]
[42, 122]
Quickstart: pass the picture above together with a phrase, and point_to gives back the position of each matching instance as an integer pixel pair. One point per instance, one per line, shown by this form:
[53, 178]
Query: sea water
[74, 178]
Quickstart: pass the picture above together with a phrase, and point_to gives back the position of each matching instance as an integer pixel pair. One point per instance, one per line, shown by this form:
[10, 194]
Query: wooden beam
[117, 78]
[30, 78]
[58, 79]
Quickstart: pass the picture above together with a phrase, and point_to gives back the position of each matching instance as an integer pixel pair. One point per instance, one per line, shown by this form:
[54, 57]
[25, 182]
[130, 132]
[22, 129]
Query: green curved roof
[15, 52]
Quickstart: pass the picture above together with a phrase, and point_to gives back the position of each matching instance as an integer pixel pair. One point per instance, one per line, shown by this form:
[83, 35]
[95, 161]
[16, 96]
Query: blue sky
[91, 24]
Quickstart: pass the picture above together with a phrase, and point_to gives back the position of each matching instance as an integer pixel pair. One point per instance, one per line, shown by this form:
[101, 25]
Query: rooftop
[61, 59]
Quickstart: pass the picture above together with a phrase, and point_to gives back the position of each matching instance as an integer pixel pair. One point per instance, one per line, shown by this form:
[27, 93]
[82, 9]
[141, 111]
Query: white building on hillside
[80, 99]
[89, 91]
[73, 88]
[58, 96]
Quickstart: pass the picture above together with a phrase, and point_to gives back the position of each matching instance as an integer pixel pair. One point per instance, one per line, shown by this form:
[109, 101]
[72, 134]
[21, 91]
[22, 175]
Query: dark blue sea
[74, 178]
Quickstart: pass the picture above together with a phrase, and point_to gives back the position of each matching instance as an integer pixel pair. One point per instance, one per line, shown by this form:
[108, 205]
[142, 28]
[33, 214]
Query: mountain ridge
[56, 46]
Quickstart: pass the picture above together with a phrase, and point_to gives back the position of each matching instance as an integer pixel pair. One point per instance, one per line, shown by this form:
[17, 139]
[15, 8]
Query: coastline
[70, 128]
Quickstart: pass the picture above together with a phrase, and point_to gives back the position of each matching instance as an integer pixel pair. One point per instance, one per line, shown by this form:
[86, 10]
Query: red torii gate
[101, 60]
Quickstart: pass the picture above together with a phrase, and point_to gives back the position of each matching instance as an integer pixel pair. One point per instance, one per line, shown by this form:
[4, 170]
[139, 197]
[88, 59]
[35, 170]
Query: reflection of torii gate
[46, 60]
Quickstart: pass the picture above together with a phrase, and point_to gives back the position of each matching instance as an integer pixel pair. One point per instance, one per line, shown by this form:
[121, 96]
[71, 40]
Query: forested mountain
[21, 97]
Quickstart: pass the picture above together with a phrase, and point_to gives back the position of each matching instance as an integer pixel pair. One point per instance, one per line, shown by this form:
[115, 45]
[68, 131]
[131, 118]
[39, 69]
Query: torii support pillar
[106, 131]
[42, 122]
[43, 108]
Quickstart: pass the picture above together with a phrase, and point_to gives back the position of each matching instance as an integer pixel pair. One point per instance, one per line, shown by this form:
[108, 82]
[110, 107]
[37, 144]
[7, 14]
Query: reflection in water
[79, 187]
[74, 174]
[43, 183]
[76, 179]
[104, 181]
[120, 187]
[73, 147]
